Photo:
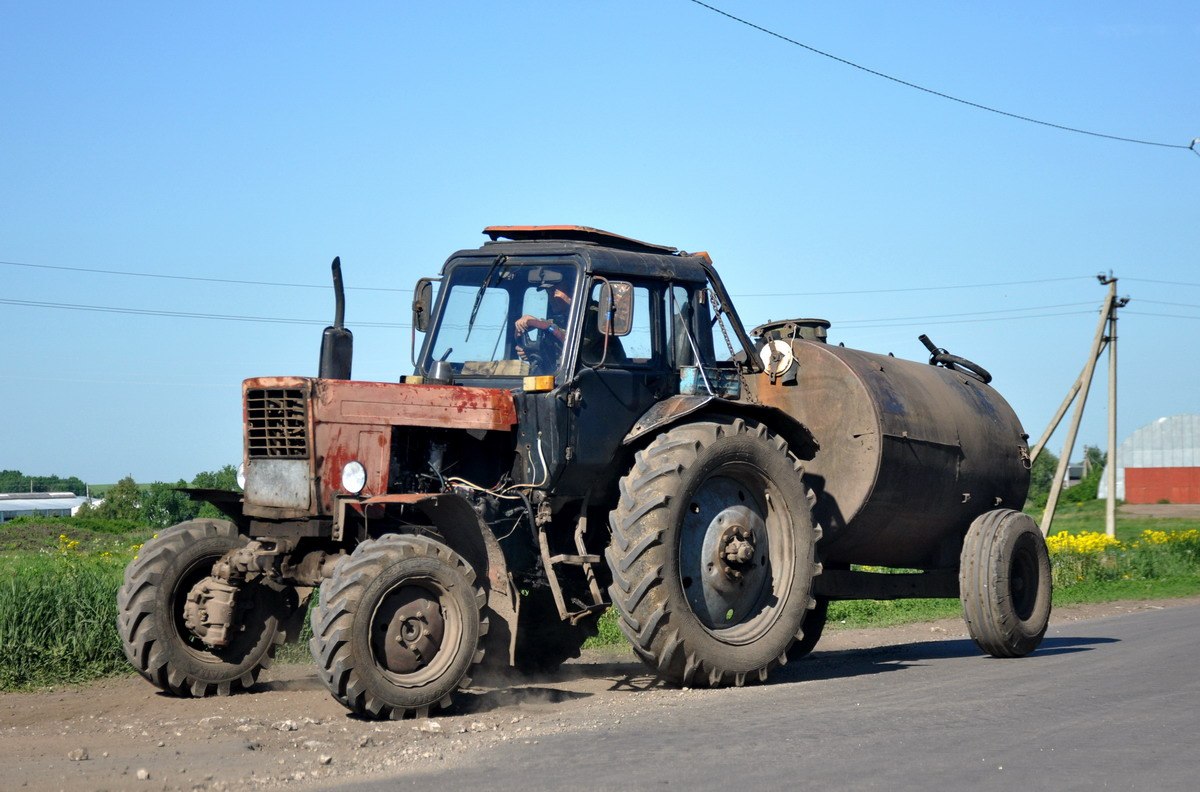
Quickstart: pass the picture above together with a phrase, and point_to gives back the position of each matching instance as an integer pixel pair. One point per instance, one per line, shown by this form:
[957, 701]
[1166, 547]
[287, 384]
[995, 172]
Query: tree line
[16, 481]
[158, 504]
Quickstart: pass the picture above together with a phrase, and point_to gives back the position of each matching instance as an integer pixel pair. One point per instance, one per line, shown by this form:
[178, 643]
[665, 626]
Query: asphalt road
[1108, 703]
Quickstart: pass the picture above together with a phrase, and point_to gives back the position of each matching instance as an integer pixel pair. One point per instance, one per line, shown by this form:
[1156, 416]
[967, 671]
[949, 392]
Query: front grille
[276, 423]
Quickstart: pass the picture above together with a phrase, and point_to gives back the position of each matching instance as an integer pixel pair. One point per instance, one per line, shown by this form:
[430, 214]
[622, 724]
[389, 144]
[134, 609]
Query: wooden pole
[1110, 472]
[1088, 371]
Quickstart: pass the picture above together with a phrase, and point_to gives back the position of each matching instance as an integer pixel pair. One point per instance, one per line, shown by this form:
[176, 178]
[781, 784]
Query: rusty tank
[910, 454]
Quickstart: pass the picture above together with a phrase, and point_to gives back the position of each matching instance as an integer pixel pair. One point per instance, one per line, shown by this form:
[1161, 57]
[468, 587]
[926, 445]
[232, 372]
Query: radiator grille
[277, 423]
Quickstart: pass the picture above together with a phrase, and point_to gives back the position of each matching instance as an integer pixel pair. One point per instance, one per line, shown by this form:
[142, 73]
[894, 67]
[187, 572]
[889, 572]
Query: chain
[719, 308]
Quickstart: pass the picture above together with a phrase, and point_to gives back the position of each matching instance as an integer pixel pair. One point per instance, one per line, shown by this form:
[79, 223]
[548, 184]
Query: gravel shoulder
[120, 734]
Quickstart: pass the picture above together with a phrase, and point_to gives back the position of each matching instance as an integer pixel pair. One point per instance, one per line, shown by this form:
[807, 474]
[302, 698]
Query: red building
[1160, 462]
[1155, 485]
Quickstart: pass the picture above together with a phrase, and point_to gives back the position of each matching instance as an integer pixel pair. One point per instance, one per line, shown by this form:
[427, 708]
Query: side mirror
[422, 304]
[615, 314]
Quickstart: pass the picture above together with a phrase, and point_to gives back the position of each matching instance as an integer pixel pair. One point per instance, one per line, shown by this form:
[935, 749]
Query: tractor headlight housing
[354, 477]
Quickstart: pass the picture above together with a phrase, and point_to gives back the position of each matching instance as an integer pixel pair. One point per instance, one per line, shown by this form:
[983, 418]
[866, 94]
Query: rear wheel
[1005, 583]
[712, 553]
[398, 627]
[151, 620]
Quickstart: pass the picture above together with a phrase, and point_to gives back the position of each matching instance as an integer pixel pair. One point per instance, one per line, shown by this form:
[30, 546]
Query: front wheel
[712, 553]
[1005, 583]
[398, 627]
[151, 622]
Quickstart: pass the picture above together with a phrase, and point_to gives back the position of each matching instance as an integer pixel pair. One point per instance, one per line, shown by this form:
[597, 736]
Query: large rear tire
[712, 553]
[150, 617]
[1005, 583]
[398, 627]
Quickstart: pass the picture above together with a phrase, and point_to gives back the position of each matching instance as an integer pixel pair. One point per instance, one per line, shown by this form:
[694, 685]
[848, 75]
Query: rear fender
[673, 410]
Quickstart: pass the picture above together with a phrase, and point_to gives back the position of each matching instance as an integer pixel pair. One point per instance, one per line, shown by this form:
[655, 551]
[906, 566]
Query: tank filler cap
[807, 329]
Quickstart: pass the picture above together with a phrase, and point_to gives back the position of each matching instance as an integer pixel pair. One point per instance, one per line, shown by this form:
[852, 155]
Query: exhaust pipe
[337, 343]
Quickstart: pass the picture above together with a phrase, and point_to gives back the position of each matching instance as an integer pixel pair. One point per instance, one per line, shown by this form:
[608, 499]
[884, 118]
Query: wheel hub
[409, 630]
[731, 558]
[735, 551]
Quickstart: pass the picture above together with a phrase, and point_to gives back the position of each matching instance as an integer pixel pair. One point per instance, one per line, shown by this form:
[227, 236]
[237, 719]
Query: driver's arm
[528, 322]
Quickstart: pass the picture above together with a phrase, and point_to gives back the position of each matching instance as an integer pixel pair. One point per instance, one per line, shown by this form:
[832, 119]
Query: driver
[551, 330]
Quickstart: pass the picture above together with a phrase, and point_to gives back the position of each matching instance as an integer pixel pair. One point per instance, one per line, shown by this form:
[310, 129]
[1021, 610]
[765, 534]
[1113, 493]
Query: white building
[40, 504]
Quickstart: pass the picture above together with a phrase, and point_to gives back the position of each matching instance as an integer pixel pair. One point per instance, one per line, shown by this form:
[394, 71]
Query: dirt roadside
[121, 734]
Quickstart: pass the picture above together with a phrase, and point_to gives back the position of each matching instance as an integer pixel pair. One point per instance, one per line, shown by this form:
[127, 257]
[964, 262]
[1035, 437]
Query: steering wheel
[533, 358]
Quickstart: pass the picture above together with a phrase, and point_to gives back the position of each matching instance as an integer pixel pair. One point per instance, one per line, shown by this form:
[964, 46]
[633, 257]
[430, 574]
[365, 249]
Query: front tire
[150, 614]
[712, 553]
[1005, 583]
[398, 627]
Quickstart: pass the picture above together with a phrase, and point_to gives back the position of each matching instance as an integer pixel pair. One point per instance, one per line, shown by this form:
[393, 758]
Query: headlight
[241, 476]
[354, 477]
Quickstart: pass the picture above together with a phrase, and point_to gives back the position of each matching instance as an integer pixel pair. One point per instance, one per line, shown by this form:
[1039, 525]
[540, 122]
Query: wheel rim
[735, 551]
[415, 632]
[1023, 580]
[195, 572]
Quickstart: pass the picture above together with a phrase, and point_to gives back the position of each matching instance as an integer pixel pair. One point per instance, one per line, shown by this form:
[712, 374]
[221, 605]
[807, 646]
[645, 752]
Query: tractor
[589, 426]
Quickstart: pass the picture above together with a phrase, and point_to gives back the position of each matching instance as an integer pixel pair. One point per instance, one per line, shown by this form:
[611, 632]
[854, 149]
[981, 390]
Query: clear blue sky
[255, 142]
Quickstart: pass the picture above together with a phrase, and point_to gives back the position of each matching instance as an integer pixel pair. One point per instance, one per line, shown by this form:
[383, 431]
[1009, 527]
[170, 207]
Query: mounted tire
[712, 553]
[150, 617]
[398, 627]
[1005, 584]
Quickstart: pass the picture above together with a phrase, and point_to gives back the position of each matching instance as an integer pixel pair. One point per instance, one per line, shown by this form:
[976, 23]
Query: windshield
[503, 318]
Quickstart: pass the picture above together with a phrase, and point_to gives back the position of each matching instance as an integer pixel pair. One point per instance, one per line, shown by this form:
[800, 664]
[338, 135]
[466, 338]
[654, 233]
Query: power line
[939, 94]
[183, 314]
[841, 322]
[1177, 305]
[918, 288]
[882, 322]
[1163, 315]
[1164, 282]
[957, 321]
[371, 288]
[194, 277]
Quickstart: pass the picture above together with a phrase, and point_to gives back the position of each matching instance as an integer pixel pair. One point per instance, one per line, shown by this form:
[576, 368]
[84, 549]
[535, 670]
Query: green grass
[58, 615]
[1089, 516]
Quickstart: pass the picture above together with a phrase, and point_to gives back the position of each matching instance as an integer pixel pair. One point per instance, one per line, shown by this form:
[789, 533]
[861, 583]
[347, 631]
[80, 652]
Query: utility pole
[1110, 467]
[1106, 336]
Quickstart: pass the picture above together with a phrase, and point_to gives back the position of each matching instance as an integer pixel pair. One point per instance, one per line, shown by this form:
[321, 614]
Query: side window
[682, 328]
[636, 348]
[714, 347]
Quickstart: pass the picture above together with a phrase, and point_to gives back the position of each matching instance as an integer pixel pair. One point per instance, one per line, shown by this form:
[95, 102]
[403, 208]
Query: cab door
[614, 387]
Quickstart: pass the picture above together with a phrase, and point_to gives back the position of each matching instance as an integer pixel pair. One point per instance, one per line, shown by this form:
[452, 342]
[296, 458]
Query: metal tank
[909, 453]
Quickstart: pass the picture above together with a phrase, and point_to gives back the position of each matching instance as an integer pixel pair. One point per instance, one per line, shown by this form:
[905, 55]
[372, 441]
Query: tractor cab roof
[576, 234]
[603, 252]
